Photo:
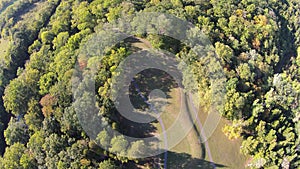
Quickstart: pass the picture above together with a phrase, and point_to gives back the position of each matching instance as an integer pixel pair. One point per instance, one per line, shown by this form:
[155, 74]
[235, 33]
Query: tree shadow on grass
[138, 130]
[149, 80]
[145, 82]
[185, 161]
[174, 161]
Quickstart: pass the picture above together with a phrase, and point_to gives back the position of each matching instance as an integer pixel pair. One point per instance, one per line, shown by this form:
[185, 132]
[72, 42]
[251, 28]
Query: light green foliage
[245, 72]
[46, 37]
[137, 149]
[107, 164]
[234, 100]
[114, 13]
[46, 81]
[61, 20]
[103, 138]
[60, 40]
[33, 117]
[18, 93]
[118, 144]
[82, 17]
[27, 161]
[234, 130]
[13, 155]
[224, 52]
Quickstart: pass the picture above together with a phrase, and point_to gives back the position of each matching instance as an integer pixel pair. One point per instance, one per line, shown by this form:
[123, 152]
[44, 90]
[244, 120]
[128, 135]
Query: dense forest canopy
[257, 44]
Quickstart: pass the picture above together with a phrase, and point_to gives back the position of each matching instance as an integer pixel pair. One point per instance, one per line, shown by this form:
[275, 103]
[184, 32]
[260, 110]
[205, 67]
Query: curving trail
[200, 131]
[159, 119]
[141, 44]
[204, 137]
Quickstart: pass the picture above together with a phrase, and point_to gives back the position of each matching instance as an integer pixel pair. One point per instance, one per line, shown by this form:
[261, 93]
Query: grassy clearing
[188, 152]
[223, 150]
[187, 149]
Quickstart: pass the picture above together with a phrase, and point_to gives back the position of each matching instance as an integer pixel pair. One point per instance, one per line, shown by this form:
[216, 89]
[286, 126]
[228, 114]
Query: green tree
[137, 149]
[118, 144]
[60, 40]
[35, 146]
[16, 132]
[46, 37]
[27, 161]
[224, 52]
[107, 164]
[104, 139]
[234, 130]
[34, 117]
[245, 72]
[46, 81]
[69, 123]
[16, 97]
[82, 17]
[19, 92]
[71, 156]
[12, 156]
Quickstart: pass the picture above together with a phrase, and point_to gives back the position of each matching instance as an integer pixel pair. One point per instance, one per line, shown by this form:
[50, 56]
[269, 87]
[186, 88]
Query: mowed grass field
[223, 150]
[188, 153]
[190, 144]
[225, 153]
